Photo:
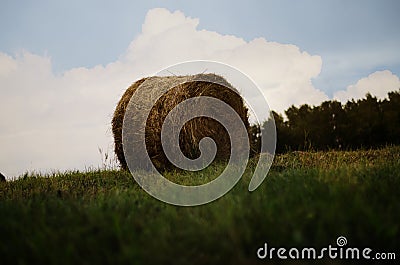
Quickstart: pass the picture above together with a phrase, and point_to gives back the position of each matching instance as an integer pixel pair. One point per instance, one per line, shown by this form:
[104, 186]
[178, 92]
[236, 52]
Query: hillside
[104, 217]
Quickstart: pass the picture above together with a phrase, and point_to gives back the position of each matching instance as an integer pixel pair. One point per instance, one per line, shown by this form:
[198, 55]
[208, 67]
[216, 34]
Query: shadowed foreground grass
[104, 217]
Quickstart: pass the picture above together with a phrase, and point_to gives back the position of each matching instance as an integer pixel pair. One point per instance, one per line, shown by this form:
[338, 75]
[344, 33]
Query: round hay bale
[194, 130]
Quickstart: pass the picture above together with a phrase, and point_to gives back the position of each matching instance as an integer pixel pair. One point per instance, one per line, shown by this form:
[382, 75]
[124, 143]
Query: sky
[65, 64]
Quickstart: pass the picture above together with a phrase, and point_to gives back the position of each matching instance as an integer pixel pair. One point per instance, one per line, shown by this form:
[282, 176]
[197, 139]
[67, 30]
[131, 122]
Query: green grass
[104, 217]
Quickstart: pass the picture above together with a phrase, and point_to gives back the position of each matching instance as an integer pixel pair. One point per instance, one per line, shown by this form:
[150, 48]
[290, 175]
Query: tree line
[365, 123]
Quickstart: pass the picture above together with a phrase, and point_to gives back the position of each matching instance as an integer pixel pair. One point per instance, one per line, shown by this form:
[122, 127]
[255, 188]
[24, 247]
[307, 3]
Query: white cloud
[53, 121]
[378, 84]
[282, 71]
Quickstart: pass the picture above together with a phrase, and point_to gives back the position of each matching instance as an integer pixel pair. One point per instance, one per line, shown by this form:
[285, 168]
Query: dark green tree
[365, 123]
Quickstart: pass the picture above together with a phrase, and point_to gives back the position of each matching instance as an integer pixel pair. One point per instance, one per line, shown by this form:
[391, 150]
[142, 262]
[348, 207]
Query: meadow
[104, 217]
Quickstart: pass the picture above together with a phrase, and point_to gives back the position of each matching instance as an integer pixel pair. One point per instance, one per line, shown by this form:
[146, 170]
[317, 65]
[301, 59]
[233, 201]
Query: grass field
[104, 217]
